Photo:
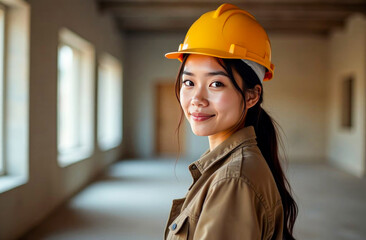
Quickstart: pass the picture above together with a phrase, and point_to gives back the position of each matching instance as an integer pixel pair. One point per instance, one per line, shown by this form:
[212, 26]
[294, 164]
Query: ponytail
[267, 139]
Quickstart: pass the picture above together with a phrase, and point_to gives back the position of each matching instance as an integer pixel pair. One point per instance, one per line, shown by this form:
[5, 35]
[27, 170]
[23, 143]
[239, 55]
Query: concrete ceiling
[289, 16]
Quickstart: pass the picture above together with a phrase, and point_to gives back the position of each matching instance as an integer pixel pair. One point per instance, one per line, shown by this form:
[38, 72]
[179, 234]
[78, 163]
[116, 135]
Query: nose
[199, 98]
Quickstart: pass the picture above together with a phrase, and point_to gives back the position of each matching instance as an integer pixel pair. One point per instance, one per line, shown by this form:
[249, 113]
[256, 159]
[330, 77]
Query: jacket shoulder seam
[249, 183]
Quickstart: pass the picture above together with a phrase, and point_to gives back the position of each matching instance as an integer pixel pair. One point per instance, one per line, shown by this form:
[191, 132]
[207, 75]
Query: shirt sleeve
[232, 210]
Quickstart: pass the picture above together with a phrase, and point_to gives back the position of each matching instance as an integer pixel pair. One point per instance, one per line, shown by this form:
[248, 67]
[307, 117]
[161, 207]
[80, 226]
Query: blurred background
[88, 114]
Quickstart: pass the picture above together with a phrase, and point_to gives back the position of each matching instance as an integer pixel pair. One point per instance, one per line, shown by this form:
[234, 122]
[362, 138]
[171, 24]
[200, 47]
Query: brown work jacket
[233, 195]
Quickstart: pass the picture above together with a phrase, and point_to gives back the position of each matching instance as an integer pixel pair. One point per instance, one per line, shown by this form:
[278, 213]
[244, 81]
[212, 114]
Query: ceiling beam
[297, 16]
[354, 6]
[298, 26]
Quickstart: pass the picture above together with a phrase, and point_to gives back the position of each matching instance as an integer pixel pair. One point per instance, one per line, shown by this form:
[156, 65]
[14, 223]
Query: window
[2, 116]
[14, 93]
[347, 102]
[109, 102]
[75, 98]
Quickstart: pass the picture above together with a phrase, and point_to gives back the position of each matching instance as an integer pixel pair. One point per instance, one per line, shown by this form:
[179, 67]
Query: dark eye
[188, 83]
[217, 84]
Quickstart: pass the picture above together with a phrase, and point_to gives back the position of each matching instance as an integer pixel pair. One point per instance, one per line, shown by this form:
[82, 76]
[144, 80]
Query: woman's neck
[218, 138]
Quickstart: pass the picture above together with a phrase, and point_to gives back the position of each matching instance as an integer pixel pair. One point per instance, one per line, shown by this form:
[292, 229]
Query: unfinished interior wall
[296, 97]
[347, 54]
[49, 185]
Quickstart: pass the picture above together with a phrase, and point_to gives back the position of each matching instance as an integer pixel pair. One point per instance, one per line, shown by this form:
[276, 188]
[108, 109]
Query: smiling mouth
[200, 118]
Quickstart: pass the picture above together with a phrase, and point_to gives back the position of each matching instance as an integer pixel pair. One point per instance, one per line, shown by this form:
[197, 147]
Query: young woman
[239, 190]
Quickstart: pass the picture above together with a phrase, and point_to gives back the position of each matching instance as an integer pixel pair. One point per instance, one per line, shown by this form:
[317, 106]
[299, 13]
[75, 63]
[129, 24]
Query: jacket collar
[243, 136]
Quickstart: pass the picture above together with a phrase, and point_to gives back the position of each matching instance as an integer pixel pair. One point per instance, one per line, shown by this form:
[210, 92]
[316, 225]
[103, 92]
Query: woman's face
[210, 102]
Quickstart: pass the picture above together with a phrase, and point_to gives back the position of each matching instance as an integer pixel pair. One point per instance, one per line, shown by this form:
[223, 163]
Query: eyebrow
[222, 73]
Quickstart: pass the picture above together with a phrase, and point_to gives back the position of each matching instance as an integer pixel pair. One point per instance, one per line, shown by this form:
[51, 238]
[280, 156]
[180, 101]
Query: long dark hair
[265, 129]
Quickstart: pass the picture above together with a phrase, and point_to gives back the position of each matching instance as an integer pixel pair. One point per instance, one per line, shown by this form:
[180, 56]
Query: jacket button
[174, 226]
[193, 167]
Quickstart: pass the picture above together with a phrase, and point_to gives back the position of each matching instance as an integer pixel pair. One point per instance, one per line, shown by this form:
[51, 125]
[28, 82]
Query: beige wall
[295, 97]
[347, 54]
[49, 185]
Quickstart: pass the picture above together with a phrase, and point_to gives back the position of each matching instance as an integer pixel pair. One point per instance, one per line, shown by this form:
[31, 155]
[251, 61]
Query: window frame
[347, 109]
[76, 103]
[15, 94]
[2, 89]
[86, 134]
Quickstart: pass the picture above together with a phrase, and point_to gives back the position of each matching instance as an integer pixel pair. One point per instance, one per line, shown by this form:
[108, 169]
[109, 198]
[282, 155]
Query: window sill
[65, 160]
[8, 182]
[106, 146]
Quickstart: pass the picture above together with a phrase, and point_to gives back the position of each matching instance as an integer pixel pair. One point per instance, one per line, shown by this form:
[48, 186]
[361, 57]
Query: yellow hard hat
[228, 32]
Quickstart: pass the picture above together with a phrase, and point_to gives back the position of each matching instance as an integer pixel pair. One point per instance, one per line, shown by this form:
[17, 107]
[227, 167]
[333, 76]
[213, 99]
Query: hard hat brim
[202, 51]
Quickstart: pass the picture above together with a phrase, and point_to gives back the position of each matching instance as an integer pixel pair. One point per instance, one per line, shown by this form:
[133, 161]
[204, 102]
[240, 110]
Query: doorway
[167, 118]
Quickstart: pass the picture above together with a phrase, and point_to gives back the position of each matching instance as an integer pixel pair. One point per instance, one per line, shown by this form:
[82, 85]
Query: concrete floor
[132, 201]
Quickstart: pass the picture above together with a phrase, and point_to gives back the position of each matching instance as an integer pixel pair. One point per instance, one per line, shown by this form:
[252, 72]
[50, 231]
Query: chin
[201, 132]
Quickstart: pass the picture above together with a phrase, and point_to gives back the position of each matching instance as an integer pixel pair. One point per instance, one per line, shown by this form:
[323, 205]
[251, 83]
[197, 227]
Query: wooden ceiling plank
[276, 16]
[290, 5]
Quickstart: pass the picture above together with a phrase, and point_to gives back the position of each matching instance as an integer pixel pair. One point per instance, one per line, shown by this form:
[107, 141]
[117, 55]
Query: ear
[252, 96]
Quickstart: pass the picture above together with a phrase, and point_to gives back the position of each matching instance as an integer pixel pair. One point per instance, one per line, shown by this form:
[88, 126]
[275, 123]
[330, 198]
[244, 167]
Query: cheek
[229, 102]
